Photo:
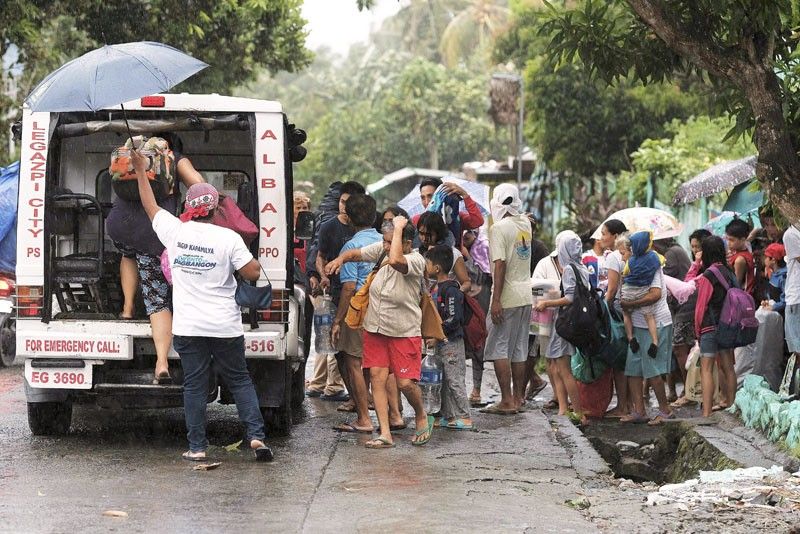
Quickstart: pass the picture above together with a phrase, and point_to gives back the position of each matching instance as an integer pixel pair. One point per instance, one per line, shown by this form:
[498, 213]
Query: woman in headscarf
[560, 351]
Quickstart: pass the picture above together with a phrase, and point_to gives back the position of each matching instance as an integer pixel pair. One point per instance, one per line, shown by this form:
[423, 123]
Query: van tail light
[6, 287]
[30, 301]
[153, 101]
[278, 310]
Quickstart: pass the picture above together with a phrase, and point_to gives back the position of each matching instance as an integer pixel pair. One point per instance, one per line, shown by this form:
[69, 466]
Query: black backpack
[583, 322]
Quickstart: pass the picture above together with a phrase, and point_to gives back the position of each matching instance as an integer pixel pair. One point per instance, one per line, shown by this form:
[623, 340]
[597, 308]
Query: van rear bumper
[114, 340]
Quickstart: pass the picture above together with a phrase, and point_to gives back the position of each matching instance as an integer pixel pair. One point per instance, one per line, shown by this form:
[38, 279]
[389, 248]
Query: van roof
[212, 102]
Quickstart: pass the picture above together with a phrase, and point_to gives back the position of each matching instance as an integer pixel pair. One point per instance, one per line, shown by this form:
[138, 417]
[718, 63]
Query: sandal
[719, 407]
[261, 451]
[427, 432]
[496, 410]
[476, 402]
[659, 419]
[346, 407]
[535, 390]
[162, 379]
[460, 424]
[379, 443]
[634, 418]
[552, 404]
[352, 429]
[681, 402]
[194, 456]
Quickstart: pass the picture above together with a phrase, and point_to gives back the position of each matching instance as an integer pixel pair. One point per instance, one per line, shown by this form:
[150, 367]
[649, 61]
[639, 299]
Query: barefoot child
[450, 303]
[641, 265]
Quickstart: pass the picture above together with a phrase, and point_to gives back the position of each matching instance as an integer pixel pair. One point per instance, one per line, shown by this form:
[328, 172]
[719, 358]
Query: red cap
[776, 251]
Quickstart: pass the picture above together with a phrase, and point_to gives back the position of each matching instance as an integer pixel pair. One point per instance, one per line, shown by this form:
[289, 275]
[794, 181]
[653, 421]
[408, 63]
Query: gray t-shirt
[660, 308]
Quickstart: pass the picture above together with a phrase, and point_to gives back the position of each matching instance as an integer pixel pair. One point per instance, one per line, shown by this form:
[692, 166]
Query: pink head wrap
[201, 199]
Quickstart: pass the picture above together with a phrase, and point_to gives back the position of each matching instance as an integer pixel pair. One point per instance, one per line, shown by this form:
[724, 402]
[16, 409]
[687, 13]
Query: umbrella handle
[127, 126]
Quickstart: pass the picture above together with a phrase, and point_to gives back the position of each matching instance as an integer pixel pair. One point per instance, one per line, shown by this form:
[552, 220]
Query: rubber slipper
[162, 379]
[681, 402]
[261, 452]
[313, 393]
[476, 402]
[550, 405]
[338, 397]
[459, 424]
[659, 419]
[634, 418]
[350, 428]
[495, 410]
[194, 456]
[428, 429]
[395, 428]
[719, 407]
[535, 391]
[379, 443]
[347, 408]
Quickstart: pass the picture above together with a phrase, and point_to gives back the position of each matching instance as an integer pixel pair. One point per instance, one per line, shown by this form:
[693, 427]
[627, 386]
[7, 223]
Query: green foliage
[427, 117]
[694, 145]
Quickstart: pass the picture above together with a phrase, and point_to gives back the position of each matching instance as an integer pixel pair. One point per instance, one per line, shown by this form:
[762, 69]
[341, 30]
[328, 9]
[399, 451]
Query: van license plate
[59, 377]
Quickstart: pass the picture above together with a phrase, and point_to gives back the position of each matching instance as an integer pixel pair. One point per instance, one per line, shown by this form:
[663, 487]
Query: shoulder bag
[431, 327]
[359, 302]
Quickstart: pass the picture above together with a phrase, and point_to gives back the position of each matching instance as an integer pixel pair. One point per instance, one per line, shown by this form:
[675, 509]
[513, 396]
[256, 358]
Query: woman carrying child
[450, 302]
[641, 265]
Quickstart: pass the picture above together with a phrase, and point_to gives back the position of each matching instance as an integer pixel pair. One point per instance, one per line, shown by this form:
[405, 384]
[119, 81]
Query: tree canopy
[747, 49]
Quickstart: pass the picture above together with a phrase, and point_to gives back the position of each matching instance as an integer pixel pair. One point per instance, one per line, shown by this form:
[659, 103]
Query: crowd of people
[666, 302]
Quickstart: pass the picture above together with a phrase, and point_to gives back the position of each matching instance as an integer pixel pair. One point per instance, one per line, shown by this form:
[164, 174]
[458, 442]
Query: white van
[68, 293]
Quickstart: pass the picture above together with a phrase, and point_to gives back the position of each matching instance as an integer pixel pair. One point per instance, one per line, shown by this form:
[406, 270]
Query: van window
[227, 182]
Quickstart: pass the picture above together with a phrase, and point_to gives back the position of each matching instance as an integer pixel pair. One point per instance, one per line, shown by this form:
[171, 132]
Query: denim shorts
[792, 327]
[708, 344]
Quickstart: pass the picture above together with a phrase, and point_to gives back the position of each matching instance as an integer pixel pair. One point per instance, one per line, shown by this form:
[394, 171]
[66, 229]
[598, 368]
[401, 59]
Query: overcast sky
[338, 23]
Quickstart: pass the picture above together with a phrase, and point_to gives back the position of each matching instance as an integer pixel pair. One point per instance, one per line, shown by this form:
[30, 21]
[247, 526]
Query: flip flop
[428, 429]
[313, 393]
[634, 418]
[535, 391]
[660, 417]
[719, 407]
[550, 405]
[194, 456]
[352, 429]
[476, 402]
[261, 452]
[459, 424]
[494, 410]
[346, 408]
[162, 379]
[379, 443]
[342, 396]
[395, 428]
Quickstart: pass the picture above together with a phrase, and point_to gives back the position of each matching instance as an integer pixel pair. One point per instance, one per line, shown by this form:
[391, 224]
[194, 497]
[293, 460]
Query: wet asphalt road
[515, 474]
[495, 479]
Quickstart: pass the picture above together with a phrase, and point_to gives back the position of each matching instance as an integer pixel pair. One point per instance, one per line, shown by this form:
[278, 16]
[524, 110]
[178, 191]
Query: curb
[586, 461]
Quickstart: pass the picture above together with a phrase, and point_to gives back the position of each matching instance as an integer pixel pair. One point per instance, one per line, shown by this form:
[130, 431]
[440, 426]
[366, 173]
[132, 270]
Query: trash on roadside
[206, 467]
[736, 488]
[115, 513]
[581, 503]
[233, 447]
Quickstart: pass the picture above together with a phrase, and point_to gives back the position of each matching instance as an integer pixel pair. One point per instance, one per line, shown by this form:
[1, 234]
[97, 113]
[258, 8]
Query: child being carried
[641, 265]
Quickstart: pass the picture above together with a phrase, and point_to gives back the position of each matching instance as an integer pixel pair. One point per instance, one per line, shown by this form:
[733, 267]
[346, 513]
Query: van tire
[50, 418]
[299, 386]
[8, 343]
[278, 421]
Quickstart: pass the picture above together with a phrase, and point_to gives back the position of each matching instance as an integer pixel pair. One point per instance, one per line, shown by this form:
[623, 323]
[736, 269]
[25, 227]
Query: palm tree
[473, 31]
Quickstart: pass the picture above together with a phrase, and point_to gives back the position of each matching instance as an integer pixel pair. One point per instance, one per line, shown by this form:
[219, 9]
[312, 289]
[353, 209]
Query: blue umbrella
[111, 75]
[716, 225]
[745, 198]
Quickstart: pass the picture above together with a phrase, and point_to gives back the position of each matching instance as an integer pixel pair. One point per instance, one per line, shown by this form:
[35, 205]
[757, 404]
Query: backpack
[737, 325]
[474, 323]
[583, 322]
[160, 172]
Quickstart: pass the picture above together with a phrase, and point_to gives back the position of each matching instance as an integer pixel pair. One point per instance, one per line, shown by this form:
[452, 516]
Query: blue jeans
[228, 354]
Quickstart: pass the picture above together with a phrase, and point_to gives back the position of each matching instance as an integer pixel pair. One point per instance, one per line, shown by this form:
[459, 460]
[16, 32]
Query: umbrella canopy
[662, 223]
[745, 198]
[113, 74]
[715, 179]
[478, 192]
[716, 225]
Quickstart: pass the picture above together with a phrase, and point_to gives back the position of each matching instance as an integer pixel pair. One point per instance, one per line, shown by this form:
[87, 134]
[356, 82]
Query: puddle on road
[667, 454]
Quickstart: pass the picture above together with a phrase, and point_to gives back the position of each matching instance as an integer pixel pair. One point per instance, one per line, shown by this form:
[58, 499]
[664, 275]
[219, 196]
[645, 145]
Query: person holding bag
[129, 228]
[208, 324]
[393, 325]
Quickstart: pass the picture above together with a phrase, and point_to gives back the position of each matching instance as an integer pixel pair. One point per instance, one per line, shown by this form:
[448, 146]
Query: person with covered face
[207, 326]
[560, 351]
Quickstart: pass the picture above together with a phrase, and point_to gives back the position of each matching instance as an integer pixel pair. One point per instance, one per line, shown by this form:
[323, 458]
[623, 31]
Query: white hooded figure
[569, 248]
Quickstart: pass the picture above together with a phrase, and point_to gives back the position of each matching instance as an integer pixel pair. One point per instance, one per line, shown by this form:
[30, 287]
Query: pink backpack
[737, 326]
